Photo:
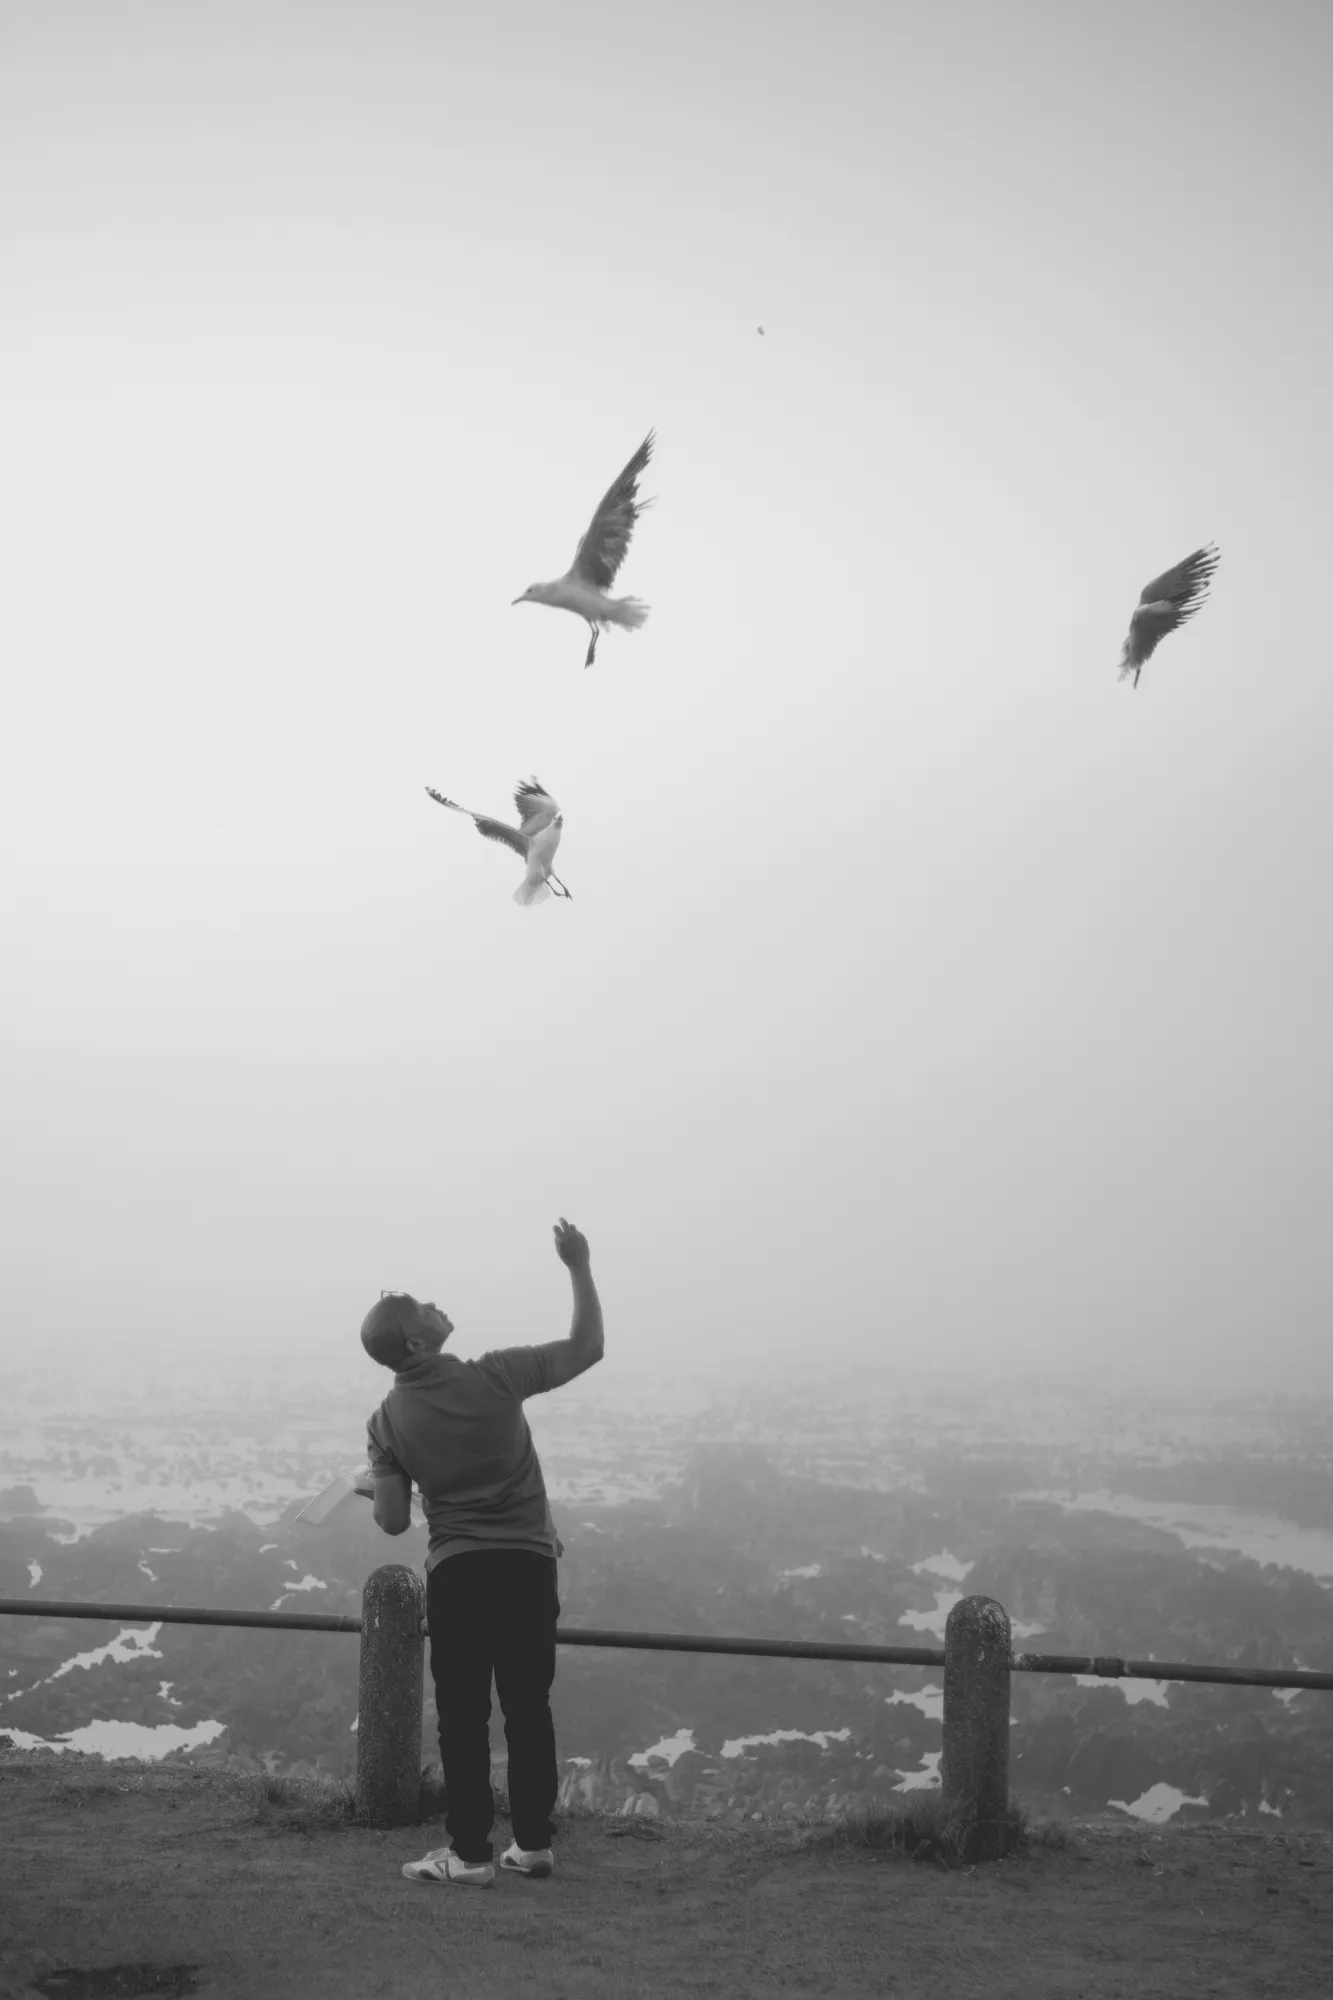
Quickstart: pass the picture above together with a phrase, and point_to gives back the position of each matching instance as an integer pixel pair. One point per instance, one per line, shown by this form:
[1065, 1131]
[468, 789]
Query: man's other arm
[393, 1502]
[388, 1485]
[586, 1343]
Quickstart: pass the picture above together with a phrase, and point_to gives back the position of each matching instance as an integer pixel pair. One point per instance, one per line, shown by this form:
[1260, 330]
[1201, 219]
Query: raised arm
[586, 1343]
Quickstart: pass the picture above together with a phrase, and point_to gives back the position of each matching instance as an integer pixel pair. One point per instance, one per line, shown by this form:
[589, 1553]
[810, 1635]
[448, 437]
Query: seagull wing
[1184, 585]
[496, 829]
[452, 804]
[602, 550]
[489, 829]
[1166, 603]
[536, 807]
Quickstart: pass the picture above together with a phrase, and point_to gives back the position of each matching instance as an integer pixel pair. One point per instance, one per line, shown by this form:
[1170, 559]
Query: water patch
[945, 1565]
[1265, 1537]
[1158, 1803]
[84, 1505]
[575, 1491]
[125, 1739]
[130, 1643]
[933, 1621]
[929, 1699]
[1133, 1690]
[306, 1583]
[926, 1778]
[736, 1746]
[669, 1747]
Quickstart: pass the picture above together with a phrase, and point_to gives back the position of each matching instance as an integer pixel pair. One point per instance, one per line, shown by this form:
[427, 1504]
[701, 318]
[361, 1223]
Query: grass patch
[1052, 1834]
[304, 1804]
[926, 1828]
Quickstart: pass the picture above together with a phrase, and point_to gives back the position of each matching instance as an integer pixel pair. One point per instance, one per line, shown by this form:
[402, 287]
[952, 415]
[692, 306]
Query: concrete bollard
[388, 1728]
[974, 1767]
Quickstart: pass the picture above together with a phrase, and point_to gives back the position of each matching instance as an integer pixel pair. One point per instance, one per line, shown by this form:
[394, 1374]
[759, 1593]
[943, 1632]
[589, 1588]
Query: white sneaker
[443, 1865]
[534, 1861]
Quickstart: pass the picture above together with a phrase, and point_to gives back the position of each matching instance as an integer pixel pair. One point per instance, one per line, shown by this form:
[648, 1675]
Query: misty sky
[925, 988]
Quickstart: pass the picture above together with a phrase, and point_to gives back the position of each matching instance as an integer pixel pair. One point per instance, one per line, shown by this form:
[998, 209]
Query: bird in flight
[1166, 602]
[535, 838]
[586, 585]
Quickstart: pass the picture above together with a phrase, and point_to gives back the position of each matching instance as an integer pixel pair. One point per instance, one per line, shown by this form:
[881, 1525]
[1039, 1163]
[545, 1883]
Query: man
[456, 1430]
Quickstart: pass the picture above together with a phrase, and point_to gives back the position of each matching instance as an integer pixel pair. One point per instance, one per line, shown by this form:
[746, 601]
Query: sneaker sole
[537, 1874]
[448, 1881]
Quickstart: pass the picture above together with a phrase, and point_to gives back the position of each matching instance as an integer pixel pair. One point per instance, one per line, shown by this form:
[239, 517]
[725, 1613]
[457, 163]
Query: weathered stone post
[388, 1727]
[974, 1768]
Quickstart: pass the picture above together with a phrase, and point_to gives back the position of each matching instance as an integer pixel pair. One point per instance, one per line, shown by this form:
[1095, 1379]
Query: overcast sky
[925, 988]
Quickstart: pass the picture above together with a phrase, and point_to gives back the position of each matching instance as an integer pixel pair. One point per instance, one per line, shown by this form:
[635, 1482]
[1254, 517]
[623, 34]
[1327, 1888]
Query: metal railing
[178, 1614]
[1105, 1665]
[976, 1657]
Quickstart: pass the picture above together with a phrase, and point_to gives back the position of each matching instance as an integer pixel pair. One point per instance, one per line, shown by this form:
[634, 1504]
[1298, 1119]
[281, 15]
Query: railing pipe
[1166, 1670]
[566, 1635]
[180, 1614]
[1107, 1666]
[763, 1649]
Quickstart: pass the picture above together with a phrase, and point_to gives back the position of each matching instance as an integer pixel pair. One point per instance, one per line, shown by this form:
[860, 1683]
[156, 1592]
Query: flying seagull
[1166, 602]
[586, 585]
[535, 838]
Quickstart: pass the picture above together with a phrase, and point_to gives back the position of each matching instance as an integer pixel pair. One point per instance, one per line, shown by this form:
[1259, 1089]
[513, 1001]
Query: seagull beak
[517, 600]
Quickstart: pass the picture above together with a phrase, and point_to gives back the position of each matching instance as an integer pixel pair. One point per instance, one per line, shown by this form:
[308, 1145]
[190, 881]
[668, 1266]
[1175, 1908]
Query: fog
[926, 991]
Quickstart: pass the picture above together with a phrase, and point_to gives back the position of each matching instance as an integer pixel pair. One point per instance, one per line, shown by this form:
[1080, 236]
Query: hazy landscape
[932, 1045]
[1184, 1527]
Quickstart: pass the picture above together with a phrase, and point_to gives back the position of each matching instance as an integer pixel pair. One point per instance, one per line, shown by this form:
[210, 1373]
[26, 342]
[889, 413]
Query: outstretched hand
[571, 1246]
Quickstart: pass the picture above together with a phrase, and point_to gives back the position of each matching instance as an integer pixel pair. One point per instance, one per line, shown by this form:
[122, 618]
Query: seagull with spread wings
[586, 585]
[535, 838]
[1166, 602]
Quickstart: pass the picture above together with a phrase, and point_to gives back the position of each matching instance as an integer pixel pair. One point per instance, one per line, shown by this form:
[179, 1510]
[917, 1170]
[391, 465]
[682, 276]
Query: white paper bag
[338, 1497]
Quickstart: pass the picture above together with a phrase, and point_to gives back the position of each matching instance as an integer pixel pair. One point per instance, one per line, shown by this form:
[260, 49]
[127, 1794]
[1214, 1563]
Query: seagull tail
[626, 611]
[529, 891]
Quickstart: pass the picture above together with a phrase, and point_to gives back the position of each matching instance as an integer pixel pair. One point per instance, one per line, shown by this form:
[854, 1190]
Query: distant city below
[1176, 1527]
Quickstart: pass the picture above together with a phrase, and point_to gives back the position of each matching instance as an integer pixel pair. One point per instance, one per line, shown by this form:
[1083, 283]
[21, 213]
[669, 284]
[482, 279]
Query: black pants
[494, 1611]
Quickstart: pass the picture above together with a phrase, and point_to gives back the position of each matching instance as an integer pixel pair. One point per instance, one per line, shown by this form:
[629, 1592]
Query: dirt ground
[117, 1866]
